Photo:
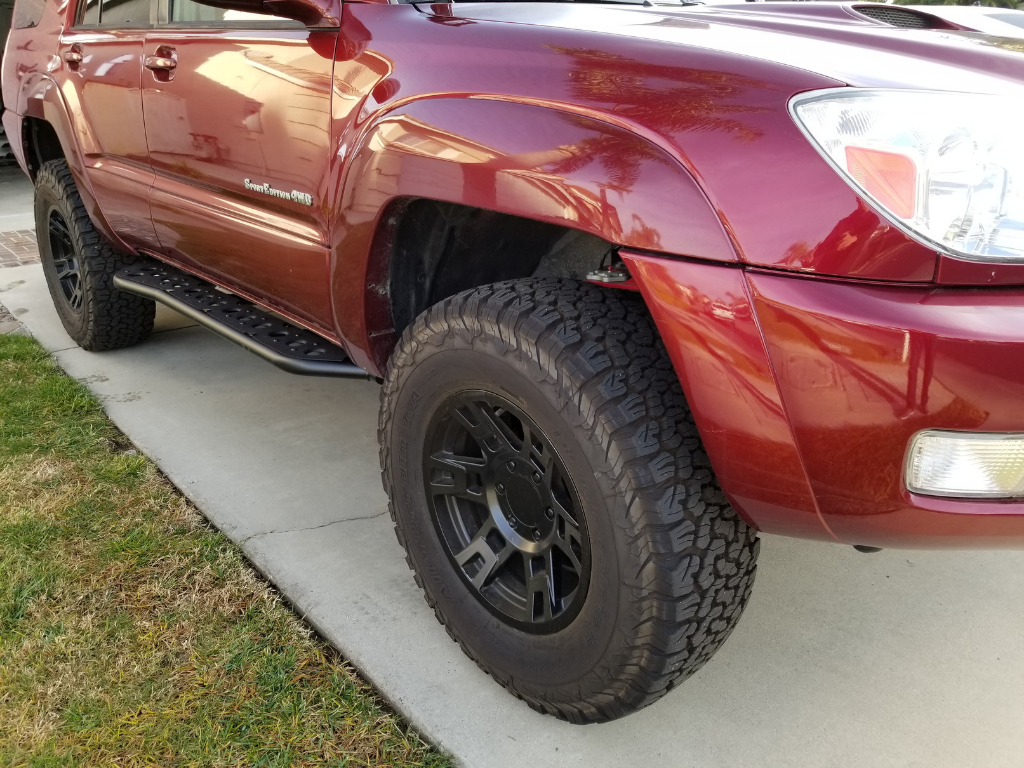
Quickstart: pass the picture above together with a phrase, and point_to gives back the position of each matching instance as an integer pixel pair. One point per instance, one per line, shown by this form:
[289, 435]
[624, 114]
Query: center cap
[523, 501]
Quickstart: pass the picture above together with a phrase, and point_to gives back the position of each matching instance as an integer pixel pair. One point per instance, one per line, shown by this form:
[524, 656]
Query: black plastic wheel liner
[294, 349]
[506, 511]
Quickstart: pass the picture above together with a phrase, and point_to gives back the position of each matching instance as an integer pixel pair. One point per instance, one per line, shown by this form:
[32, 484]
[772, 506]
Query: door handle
[161, 63]
[73, 57]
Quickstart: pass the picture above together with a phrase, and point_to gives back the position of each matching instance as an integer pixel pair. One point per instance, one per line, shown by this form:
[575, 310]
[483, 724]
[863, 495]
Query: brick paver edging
[18, 248]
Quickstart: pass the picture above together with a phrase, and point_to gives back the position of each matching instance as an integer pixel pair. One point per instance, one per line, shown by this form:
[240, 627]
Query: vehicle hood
[834, 40]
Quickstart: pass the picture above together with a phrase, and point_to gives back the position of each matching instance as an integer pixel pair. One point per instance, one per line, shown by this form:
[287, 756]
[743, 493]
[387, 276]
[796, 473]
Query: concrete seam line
[172, 330]
[309, 528]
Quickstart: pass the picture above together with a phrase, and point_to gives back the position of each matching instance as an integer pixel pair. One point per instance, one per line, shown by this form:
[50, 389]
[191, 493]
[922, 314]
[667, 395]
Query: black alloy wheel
[65, 260]
[507, 512]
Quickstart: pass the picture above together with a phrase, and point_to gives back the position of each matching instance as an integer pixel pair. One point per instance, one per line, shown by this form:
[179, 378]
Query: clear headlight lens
[949, 167]
[966, 464]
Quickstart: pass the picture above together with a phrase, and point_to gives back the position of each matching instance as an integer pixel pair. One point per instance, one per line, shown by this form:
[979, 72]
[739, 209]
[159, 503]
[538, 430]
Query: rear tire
[664, 564]
[79, 265]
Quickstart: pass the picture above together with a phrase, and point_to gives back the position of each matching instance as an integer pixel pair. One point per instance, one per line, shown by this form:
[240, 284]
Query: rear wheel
[548, 484]
[79, 265]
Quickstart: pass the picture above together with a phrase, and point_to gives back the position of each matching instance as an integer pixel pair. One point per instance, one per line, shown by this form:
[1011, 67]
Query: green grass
[132, 633]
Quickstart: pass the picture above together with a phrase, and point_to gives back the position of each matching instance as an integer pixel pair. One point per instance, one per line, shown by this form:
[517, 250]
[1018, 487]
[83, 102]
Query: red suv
[639, 280]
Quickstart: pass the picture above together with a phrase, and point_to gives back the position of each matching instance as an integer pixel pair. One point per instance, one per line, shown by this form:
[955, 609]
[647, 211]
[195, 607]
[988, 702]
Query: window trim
[159, 11]
[229, 26]
[161, 20]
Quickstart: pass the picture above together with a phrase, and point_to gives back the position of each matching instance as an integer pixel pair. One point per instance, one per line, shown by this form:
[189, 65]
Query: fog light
[966, 464]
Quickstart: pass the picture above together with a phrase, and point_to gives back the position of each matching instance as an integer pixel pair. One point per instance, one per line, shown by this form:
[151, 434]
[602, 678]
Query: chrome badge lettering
[295, 196]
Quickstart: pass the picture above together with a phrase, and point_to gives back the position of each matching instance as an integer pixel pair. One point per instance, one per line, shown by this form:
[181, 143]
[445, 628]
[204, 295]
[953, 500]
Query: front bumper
[807, 392]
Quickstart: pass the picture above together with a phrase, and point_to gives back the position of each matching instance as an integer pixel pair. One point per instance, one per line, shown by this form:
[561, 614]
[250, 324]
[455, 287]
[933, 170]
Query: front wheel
[547, 481]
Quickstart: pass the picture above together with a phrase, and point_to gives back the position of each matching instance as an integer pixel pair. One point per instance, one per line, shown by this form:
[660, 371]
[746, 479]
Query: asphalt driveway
[842, 659]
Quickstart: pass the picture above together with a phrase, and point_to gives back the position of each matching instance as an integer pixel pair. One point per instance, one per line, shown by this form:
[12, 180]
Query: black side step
[277, 341]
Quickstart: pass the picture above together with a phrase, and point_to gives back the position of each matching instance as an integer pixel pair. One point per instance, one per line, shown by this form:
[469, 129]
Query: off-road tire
[106, 317]
[673, 564]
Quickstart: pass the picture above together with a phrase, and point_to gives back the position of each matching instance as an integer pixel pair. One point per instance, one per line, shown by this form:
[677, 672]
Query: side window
[27, 13]
[118, 13]
[114, 13]
[189, 12]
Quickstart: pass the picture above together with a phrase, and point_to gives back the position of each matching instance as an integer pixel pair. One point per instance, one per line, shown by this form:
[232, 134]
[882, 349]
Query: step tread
[253, 326]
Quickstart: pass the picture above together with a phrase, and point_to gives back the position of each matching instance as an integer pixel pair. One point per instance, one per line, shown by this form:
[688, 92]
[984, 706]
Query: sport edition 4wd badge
[295, 196]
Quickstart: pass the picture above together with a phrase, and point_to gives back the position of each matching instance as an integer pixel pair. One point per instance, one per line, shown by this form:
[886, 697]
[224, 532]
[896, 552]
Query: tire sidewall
[558, 660]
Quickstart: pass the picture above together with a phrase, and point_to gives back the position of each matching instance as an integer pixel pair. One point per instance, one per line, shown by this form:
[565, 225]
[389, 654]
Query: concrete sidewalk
[15, 200]
[842, 659]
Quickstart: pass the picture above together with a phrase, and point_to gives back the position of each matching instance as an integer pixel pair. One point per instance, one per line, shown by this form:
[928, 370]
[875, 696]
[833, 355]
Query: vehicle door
[102, 55]
[238, 113]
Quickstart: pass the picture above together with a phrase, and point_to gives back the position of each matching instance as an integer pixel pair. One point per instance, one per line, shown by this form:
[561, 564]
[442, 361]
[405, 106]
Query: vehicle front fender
[41, 98]
[530, 160]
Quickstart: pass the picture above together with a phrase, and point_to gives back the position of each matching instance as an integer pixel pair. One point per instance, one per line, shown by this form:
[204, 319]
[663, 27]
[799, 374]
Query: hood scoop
[900, 17]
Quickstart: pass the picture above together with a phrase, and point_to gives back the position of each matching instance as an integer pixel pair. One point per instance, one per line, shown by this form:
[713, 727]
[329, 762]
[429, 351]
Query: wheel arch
[48, 132]
[40, 144]
[540, 165]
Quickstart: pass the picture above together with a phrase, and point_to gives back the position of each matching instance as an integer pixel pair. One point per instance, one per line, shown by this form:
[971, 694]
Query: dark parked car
[639, 280]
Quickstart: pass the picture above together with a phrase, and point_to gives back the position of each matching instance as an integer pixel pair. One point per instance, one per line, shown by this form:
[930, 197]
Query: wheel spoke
[76, 295]
[59, 228]
[479, 547]
[565, 547]
[459, 467]
[65, 268]
[490, 432]
[538, 457]
[540, 587]
[567, 532]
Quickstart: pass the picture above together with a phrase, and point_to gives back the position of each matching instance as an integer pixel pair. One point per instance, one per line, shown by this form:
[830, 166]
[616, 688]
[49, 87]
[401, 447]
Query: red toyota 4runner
[640, 280]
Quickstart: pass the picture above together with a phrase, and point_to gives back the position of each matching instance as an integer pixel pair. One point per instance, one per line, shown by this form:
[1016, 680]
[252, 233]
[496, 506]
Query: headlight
[947, 167]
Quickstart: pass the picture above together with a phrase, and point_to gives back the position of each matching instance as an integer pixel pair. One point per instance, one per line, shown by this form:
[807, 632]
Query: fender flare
[523, 159]
[42, 99]
[706, 316]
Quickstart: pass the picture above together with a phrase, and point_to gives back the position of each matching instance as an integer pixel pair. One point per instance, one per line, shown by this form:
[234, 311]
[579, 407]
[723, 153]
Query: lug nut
[511, 466]
[500, 488]
[536, 477]
[549, 513]
[536, 535]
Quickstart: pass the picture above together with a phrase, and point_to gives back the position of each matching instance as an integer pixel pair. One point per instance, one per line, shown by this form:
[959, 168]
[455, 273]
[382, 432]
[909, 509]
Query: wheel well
[41, 144]
[439, 249]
